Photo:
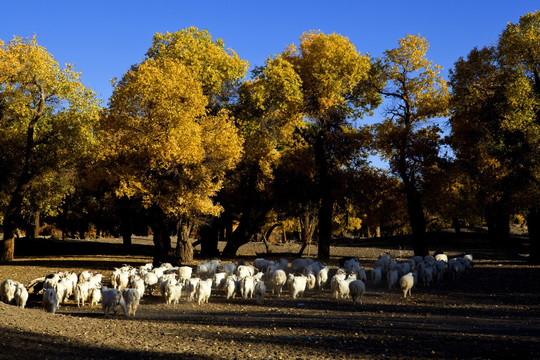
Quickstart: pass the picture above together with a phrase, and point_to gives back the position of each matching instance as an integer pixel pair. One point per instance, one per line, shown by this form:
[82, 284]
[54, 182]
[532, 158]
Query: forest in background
[189, 145]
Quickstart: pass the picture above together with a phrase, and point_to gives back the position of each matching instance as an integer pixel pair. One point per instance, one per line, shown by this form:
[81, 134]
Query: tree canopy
[47, 120]
[163, 142]
[185, 138]
[417, 93]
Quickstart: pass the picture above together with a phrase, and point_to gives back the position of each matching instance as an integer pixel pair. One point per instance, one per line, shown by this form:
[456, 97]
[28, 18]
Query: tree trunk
[32, 230]
[327, 202]
[7, 245]
[498, 222]
[210, 237]
[418, 222]
[307, 229]
[533, 225]
[125, 216]
[456, 225]
[184, 249]
[238, 238]
[162, 240]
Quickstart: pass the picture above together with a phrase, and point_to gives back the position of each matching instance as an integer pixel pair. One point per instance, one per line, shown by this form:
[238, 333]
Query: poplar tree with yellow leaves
[416, 92]
[519, 48]
[304, 99]
[267, 114]
[168, 140]
[337, 88]
[496, 126]
[47, 120]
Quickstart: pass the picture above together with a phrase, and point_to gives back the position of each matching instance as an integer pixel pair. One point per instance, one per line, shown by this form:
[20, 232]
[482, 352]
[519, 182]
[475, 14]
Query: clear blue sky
[104, 38]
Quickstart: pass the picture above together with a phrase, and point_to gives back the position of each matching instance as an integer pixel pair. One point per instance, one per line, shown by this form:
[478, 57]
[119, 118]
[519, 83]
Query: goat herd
[130, 284]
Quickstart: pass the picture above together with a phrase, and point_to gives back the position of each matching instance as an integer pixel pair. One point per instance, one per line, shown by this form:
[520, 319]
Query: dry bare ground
[493, 312]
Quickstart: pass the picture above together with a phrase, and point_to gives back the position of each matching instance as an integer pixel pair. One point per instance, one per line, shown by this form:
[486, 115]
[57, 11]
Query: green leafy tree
[417, 93]
[47, 120]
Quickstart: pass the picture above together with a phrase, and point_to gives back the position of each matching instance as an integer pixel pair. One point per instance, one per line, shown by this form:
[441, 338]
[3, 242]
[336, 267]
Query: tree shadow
[18, 345]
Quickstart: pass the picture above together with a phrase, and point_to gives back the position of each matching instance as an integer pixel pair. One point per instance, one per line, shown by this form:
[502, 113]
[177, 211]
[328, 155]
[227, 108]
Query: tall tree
[336, 86]
[417, 93]
[267, 114]
[488, 151]
[519, 49]
[167, 146]
[47, 120]
[220, 71]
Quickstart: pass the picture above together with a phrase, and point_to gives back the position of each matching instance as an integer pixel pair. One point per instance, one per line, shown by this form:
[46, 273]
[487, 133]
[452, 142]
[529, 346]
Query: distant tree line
[188, 145]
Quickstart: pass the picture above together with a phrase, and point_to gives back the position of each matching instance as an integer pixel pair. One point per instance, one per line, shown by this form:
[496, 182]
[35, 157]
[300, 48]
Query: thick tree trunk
[32, 229]
[238, 238]
[327, 202]
[7, 245]
[533, 225]
[162, 240]
[184, 249]
[307, 229]
[125, 216]
[417, 220]
[498, 222]
[209, 237]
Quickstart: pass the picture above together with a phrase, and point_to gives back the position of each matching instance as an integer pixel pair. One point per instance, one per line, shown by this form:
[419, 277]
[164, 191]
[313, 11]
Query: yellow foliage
[330, 68]
[48, 115]
[167, 147]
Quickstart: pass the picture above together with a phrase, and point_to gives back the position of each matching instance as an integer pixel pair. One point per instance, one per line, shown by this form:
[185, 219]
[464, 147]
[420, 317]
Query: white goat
[298, 265]
[219, 279]
[406, 283]
[173, 293]
[357, 288]
[247, 287]
[7, 290]
[392, 279]
[322, 277]
[376, 276]
[50, 301]
[208, 268]
[245, 270]
[132, 299]
[21, 295]
[111, 298]
[277, 281]
[184, 274]
[94, 295]
[260, 291]
[229, 268]
[151, 281]
[232, 286]
[191, 288]
[81, 292]
[204, 289]
[311, 281]
[298, 286]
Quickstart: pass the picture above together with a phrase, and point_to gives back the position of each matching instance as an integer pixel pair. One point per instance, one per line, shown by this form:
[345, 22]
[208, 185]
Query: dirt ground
[493, 312]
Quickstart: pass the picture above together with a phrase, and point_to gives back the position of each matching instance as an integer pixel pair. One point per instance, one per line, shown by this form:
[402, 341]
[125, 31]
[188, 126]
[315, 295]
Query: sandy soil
[493, 312]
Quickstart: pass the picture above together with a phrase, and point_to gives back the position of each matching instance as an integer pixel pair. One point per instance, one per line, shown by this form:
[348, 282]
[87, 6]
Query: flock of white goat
[130, 284]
